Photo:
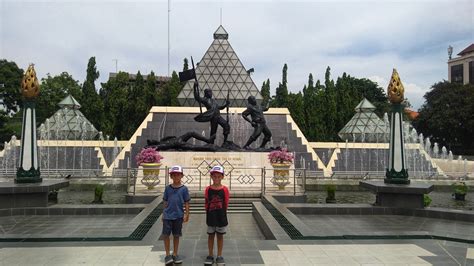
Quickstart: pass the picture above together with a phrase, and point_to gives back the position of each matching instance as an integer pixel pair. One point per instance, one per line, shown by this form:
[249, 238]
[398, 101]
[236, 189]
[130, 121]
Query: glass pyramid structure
[68, 123]
[222, 71]
[365, 125]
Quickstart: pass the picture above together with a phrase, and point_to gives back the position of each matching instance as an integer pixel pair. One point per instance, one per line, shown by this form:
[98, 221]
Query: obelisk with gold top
[396, 172]
[28, 170]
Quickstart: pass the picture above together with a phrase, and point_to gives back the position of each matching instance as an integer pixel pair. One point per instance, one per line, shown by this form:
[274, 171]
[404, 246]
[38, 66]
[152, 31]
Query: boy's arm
[227, 197]
[165, 203]
[205, 198]
[187, 198]
[186, 214]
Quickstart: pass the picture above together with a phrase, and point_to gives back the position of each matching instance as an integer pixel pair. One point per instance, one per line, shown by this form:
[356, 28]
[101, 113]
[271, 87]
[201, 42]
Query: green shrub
[331, 191]
[460, 187]
[426, 200]
[98, 193]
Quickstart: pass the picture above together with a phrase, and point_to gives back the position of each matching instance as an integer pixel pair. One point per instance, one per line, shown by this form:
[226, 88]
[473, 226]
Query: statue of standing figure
[258, 122]
[212, 114]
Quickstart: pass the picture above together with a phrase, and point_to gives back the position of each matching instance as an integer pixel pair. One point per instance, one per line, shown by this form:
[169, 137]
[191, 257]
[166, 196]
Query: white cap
[217, 169]
[176, 169]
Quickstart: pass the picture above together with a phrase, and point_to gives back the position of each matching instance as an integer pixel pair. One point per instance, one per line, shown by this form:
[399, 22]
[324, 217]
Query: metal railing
[61, 173]
[250, 179]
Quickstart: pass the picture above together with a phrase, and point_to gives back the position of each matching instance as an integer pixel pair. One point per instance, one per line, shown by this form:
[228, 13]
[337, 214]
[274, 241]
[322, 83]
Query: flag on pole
[187, 75]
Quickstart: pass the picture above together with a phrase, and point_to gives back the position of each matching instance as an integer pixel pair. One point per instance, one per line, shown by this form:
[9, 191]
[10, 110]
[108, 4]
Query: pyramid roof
[68, 123]
[365, 125]
[69, 102]
[221, 70]
[364, 105]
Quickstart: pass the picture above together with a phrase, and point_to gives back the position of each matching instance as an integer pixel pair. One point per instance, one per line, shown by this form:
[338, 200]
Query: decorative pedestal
[281, 175]
[399, 196]
[151, 174]
[28, 195]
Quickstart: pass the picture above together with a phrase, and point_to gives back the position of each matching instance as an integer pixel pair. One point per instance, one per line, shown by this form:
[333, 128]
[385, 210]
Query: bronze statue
[212, 114]
[180, 143]
[258, 122]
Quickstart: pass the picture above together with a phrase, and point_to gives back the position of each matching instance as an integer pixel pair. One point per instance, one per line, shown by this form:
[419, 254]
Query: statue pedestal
[399, 196]
[14, 195]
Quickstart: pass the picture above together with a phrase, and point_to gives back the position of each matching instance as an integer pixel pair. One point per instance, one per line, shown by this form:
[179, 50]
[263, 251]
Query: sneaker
[177, 259]
[168, 259]
[209, 260]
[220, 261]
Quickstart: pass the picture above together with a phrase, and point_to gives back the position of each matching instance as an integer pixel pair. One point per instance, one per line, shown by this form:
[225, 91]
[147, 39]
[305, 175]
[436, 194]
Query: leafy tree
[185, 64]
[281, 96]
[266, 91]
[5, 130]
[311, 117]
[330, 109]
[92, 106]
[150, 91]
[53, 90]
[114, 94]
[169, 92]
[136, 106]
[10, 77]
[447, 116]
[295, 106]
[350, 91]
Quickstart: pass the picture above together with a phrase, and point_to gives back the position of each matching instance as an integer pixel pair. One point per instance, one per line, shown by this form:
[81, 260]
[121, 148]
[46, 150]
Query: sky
[365, 39]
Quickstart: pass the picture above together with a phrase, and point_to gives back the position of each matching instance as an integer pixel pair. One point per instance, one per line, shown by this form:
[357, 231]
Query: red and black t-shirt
[217, 202]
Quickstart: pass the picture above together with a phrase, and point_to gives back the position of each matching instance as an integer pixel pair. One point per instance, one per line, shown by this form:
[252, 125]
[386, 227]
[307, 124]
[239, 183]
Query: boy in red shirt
[217, 201]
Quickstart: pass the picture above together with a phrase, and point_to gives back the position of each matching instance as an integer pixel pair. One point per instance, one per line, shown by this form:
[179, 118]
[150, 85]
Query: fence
[251, 179]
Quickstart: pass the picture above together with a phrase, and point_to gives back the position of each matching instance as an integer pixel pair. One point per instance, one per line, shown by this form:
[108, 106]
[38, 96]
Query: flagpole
[169, 10]
[195, 79]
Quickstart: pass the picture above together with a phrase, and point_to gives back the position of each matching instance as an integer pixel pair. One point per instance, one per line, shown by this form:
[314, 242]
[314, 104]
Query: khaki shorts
[216, 229]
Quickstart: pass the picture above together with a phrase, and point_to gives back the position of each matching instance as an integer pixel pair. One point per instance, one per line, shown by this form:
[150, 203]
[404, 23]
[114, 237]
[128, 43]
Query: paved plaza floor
[244, 244]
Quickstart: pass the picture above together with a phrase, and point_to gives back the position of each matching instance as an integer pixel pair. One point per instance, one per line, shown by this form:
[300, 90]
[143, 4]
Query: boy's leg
[177, 227]
[220, 244]
[166, 239]
[210, 244]
[166, 235]
[175, 245]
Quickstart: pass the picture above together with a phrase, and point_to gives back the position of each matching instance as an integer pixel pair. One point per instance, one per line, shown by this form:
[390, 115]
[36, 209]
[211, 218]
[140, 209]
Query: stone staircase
[236, 205]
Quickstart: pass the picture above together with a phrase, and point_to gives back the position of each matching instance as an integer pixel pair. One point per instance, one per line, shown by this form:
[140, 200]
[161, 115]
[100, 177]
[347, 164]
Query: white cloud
[361, 38]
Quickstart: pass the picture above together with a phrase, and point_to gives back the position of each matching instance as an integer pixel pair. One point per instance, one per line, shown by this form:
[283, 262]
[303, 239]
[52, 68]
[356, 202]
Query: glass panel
[457, 74]
[471, 72]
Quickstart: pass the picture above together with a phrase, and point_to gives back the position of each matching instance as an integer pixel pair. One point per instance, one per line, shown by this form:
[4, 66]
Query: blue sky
[365, 39]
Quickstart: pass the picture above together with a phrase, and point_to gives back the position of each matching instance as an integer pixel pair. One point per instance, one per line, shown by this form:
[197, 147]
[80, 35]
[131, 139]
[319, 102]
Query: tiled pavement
[333, 225]
[245, 252]
[244, 245]
[44, 226]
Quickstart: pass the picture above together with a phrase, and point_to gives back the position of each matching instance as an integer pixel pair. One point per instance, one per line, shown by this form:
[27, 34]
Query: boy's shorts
[172, 226]
[215, 229]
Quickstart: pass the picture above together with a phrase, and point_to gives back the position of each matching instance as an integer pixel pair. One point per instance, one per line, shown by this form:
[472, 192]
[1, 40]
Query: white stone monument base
[244, 171]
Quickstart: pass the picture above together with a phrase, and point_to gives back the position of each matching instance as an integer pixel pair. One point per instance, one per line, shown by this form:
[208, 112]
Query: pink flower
[280, 156]
[148, 155]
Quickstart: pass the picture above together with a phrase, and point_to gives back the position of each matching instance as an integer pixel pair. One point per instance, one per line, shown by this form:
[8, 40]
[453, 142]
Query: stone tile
[470, 253]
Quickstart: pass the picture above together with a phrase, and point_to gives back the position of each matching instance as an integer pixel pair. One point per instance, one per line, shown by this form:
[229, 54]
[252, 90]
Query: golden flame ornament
[29, 84]
[395, 88]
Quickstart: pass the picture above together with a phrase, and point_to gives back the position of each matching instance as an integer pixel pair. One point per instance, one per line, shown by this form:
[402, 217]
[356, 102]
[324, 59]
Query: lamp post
[396, 172]
[450, 51]
[29, 169]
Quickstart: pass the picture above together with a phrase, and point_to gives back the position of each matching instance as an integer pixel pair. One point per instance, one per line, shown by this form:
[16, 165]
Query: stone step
[198, 207]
